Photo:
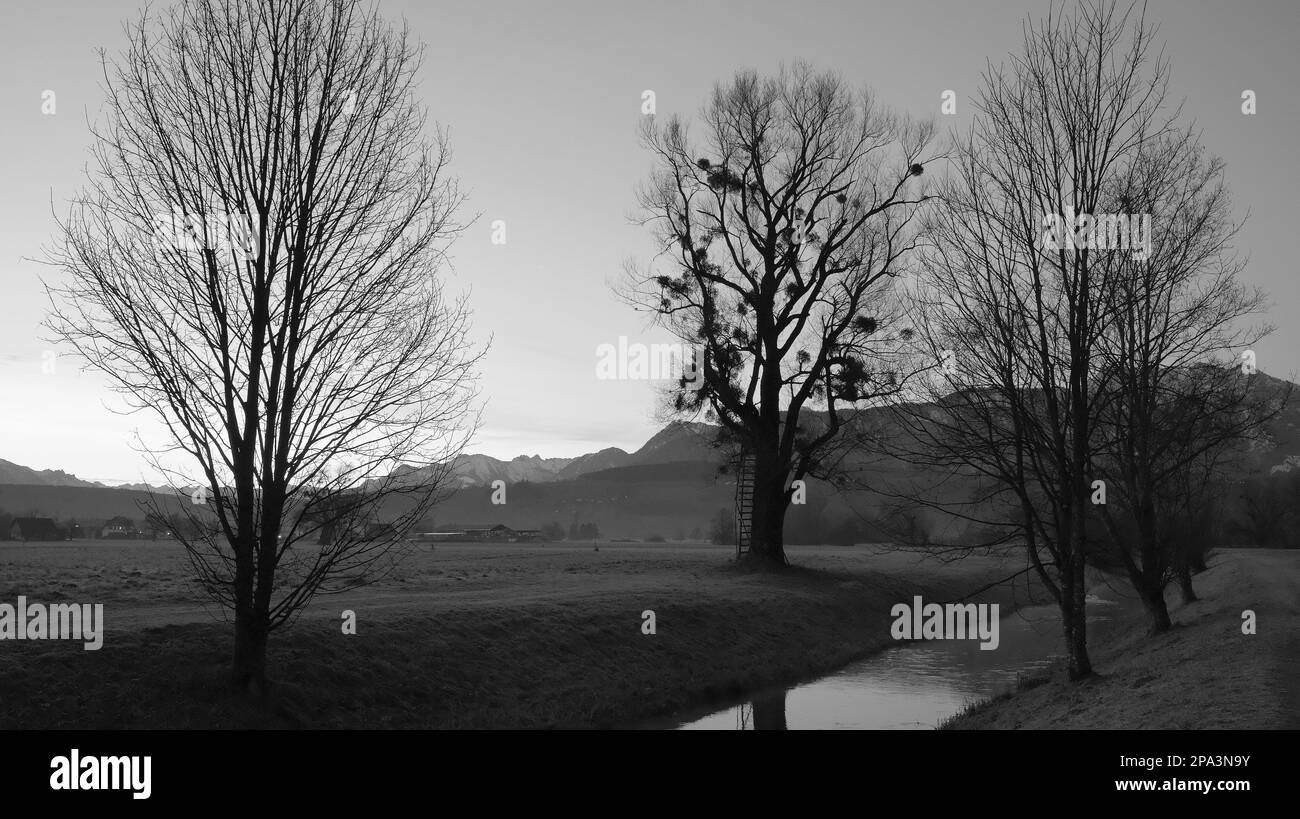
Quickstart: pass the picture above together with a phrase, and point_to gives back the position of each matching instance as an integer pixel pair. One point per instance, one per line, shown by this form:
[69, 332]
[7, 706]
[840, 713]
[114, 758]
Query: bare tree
[1174, 407]
[253, 262]
[1012, 312]
[781, 236]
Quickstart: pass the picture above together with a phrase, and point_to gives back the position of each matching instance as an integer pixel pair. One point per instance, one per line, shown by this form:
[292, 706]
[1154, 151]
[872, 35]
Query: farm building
[481, 534]
[120, 528]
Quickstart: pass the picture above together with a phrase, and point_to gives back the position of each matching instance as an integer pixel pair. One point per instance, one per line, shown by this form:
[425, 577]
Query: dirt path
[1204, 673]
[1277, 577]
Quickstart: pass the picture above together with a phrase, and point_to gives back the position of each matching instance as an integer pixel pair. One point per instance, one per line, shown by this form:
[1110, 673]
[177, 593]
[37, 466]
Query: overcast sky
[542, 100]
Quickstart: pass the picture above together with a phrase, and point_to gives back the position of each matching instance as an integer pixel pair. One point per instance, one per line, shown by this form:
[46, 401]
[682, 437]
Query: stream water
[913, 685]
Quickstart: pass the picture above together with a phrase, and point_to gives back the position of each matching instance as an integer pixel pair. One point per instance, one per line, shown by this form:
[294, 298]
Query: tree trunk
[767, 516]
[1074, 616]
[1076, 643]
[248, 670]
[248, 673]
[1153, 600]
[1185, 585]
[1146, 581]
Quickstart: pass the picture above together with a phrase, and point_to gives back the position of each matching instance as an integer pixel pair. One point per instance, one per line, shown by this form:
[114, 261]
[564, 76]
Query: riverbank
[1204, 673]
[468, 637]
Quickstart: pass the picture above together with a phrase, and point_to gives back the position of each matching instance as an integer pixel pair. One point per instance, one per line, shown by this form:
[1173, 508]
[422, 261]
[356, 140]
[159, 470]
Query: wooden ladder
[744, 503]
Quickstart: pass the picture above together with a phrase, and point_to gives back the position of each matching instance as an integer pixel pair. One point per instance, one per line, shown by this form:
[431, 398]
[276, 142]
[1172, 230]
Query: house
[458, 534]
[120, 528]
[35, 529]
[481, 534]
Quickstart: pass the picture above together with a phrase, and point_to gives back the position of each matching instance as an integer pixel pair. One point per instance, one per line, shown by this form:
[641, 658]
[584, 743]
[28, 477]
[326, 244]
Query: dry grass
[1204, 673]
[463, 637]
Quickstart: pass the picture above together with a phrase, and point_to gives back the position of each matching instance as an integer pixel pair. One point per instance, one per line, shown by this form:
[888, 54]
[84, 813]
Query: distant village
[121, 528]
[46, 529]
[482, 534]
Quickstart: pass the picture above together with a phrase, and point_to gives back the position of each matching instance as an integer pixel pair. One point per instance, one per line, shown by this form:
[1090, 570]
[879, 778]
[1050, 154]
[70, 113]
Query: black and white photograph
[402, 373]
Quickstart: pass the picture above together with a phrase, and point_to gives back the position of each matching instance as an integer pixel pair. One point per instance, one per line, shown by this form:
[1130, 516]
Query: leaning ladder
[744, 503]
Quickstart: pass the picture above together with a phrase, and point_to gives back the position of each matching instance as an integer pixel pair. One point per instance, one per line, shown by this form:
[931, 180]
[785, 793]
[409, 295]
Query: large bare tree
[253, 261]
[1012, 306]
[781, 233]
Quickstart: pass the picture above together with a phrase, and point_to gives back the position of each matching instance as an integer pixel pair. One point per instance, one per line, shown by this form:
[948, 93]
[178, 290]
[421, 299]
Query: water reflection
[913, 686]
[769, 712]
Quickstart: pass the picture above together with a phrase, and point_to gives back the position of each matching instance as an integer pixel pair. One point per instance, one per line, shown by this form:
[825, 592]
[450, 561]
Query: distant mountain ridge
[607, 458]
[481, 470]
[12, 473]
[680, 442]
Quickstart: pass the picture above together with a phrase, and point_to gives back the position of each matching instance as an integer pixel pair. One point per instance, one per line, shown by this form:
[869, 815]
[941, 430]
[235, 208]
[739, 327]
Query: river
[913, 685]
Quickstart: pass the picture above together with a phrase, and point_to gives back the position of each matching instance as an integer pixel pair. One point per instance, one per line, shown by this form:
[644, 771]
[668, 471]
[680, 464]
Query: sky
[542, 100]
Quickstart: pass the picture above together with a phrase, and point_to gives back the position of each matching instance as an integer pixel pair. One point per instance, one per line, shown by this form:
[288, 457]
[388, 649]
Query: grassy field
[472, 636]
[1203, 673]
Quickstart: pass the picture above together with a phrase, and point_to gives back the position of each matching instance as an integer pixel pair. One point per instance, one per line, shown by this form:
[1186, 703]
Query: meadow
[464, 636]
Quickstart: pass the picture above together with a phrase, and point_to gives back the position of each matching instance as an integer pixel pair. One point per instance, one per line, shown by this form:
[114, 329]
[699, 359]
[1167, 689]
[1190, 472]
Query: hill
[83, 503]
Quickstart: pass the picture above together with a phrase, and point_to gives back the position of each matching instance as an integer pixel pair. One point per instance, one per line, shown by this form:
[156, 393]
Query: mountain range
[12, 473]
[679, 441]
[668, 484]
